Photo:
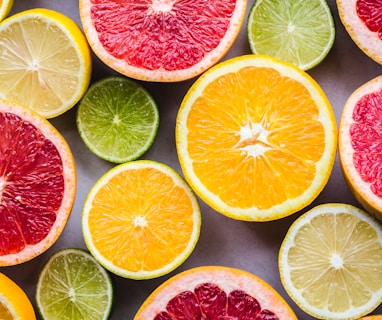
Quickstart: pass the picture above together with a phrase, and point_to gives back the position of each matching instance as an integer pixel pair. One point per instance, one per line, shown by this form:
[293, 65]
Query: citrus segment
[299, 32]
[141, 220]
[362, 20]
[37, 183]
[331, 262]
[72, 285]
[117, 119]
[46, 61]
[161, 40]
[256, 138]
[5, 8]
[215, 292]
[360, 144]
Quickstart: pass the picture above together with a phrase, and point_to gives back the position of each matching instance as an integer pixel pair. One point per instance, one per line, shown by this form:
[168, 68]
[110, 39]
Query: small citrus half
[161, 40]
[256, 138]
[5, 8]
[37, 184]
[360, 144]
[215, 292]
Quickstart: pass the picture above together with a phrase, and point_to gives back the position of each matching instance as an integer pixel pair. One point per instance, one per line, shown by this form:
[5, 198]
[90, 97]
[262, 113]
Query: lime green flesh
[296, 31]
[117, 119]
[73, 286]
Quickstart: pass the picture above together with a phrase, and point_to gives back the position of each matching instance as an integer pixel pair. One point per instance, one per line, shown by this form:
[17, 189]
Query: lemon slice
[5, 8]
[331, 262]
[45, 62]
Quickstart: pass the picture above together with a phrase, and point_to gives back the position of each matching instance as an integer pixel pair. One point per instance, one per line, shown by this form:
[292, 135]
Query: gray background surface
[223, 241]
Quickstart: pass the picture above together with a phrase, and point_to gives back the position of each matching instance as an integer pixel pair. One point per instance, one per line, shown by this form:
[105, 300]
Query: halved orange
[161, 40]
[37, 184]
[360, 145]
[141, 220]
[215, 292]
[256, 138]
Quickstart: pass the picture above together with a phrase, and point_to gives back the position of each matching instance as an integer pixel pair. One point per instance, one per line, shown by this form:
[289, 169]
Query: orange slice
[215, 292]
[360, 145]
[362, 19]
[14, 303]
[141, 220]
[37, 184]
[256, 138]
[161, 40]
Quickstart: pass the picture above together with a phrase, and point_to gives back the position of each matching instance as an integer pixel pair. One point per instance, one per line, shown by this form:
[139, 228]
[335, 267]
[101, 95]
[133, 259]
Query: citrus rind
[5, 8]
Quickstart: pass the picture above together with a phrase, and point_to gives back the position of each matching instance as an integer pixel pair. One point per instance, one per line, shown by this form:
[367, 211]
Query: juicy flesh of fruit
[256, 138]
[370, 12]
[341, 258]
[174, 34]
[366, 140]
[209, 301]
[74, 288]
[41, 63]
[31, 184]
[141, 230]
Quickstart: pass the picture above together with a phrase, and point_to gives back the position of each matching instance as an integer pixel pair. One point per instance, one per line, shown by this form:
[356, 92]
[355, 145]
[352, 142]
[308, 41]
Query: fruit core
[209, 301]
[370, 12]
[253, 139]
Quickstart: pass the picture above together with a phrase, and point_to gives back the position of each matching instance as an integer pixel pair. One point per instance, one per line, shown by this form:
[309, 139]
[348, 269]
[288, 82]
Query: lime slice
[299, 32]
[117, 119]
[72, 285]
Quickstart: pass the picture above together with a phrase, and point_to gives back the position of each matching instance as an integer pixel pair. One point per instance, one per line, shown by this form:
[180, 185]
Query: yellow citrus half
[256, 138]
[5, 8]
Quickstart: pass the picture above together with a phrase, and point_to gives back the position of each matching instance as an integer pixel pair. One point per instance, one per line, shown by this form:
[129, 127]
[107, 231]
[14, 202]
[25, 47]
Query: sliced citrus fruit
[362, 19]
[372, 317]
[161, 40]
[14, 302]
[360, 145]
[215, 292]
[5, 8]
[141, 220]
[299, 32]
[117, 119]
[256, 138]
[37, 184]
[330, 262]
[45, 62]
[73, 285]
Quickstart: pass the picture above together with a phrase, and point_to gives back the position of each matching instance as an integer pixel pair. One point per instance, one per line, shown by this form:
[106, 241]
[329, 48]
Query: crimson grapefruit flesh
[161, 40]
[37, 184]
[215, 292]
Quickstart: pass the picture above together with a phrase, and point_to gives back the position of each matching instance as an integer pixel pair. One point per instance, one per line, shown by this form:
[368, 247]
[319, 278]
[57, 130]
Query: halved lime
[72, 285]
[295, 31]
[117, 119]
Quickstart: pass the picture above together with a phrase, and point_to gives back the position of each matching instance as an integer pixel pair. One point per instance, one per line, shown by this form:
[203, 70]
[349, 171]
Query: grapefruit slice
[360, 145]
[37, 184]
[161, 40]
[362, 19]
[215, 292]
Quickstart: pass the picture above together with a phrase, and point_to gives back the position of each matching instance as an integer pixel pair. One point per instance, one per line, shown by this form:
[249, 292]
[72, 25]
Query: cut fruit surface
[46, 61]
[360, 145]
[117, 119]
[5, 8]
[141, 220]
[256, 138]
[161, 40]
[215, 292]
[330, 262]
[37, 184]
[299, 32]
[14, 303]
[73, 285]
[362, 19]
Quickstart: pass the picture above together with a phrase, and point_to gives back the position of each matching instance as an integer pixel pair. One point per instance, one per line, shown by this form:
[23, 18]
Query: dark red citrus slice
[37, 184]
[360, 144]
[370, 12]
[161, 40]
[215, 292]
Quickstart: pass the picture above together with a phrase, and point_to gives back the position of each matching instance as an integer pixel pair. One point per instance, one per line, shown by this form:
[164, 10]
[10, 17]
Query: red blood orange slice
[215, 292]
[37, 184]
[360, 145]
[161, 40]
[363, 21]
